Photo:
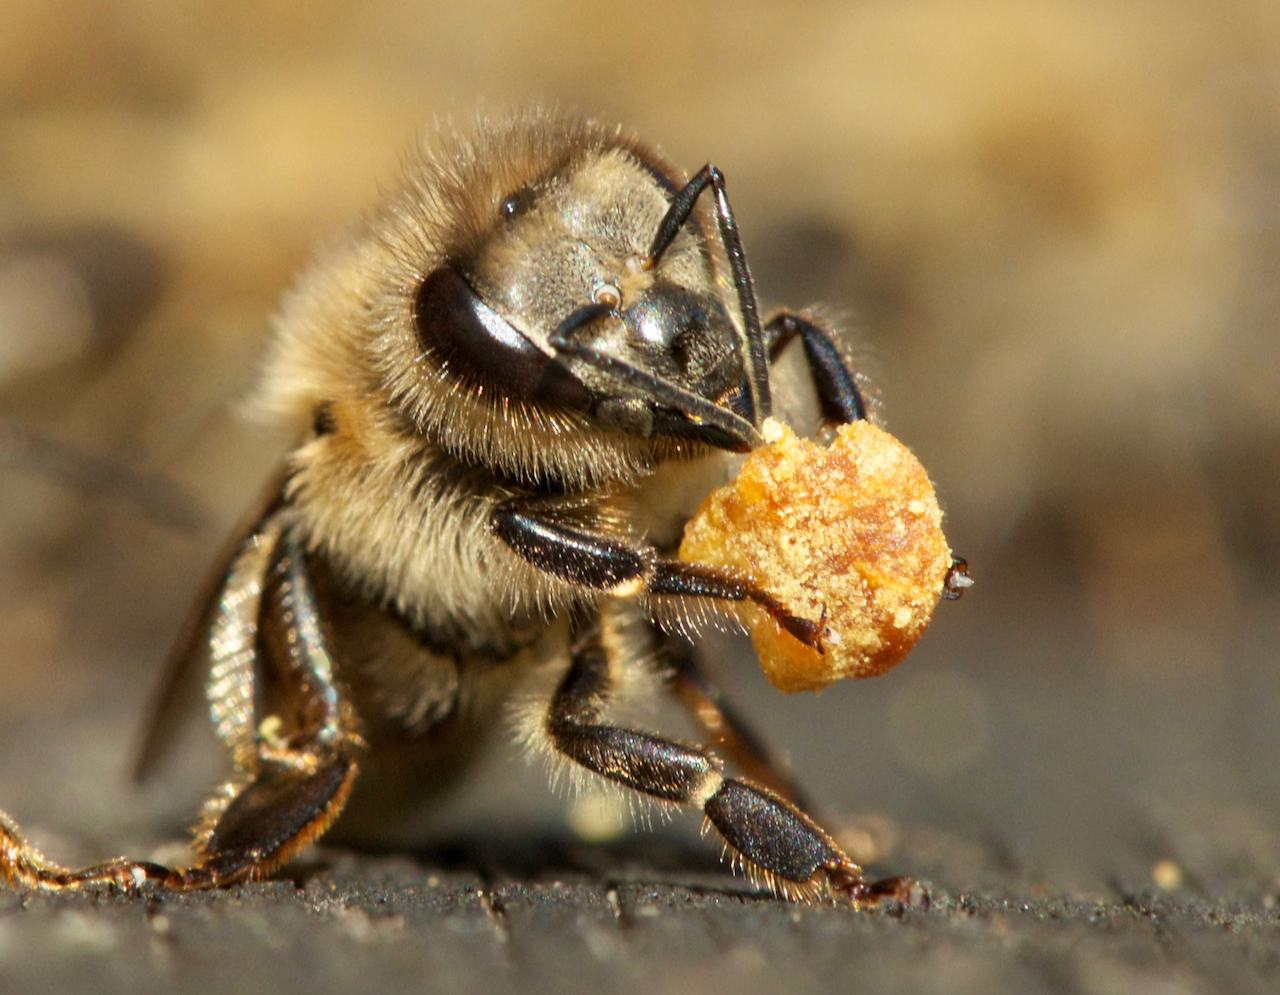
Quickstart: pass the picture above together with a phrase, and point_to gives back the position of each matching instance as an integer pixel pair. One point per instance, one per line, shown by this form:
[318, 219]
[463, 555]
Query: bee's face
[565, 265]
[507, 305]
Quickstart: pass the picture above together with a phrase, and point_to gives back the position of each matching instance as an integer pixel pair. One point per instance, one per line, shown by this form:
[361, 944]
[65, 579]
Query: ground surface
[390, 925]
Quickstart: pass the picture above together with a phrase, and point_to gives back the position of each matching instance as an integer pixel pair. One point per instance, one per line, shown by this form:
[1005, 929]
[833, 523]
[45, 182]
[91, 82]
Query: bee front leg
[776, 843]
[581, 556]
[837, 386]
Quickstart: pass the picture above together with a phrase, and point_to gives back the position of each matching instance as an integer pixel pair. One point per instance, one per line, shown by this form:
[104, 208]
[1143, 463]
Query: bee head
[528, 300]
[561, 304]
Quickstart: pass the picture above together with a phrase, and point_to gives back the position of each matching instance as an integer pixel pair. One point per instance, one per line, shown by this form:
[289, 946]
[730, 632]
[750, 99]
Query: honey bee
[517, 374]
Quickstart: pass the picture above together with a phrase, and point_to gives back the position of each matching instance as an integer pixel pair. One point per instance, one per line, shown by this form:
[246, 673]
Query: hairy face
[560, 243]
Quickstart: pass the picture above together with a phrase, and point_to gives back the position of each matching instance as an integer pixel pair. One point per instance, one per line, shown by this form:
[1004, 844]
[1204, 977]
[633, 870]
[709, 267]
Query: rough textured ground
[391, 925]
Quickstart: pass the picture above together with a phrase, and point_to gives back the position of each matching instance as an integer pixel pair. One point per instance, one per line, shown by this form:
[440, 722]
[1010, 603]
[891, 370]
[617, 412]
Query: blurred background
[1053, 226]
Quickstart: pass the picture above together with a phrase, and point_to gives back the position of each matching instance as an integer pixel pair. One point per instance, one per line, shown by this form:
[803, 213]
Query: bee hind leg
[284, 719]
[255, 829]
[24, 868]
[295, 748]
[775, 842]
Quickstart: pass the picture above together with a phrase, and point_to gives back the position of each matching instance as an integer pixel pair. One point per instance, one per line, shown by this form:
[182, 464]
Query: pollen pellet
[853, 530]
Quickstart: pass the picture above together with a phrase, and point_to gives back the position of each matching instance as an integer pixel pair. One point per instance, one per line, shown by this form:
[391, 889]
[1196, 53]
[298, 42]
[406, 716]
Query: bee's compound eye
[480, 349]
[608, 295]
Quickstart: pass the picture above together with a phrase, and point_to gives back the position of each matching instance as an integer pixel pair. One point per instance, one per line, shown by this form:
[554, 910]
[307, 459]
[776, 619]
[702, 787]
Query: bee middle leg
[776, 843]
[725, 727]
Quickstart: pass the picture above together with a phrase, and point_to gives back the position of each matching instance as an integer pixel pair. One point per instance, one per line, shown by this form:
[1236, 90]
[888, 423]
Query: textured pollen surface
[854, 529]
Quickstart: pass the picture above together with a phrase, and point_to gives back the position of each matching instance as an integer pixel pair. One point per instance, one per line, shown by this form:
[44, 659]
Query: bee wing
[179, 692]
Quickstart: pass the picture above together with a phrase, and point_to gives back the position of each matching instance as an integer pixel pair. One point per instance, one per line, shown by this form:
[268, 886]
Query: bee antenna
[698, 409]
[755, 384]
